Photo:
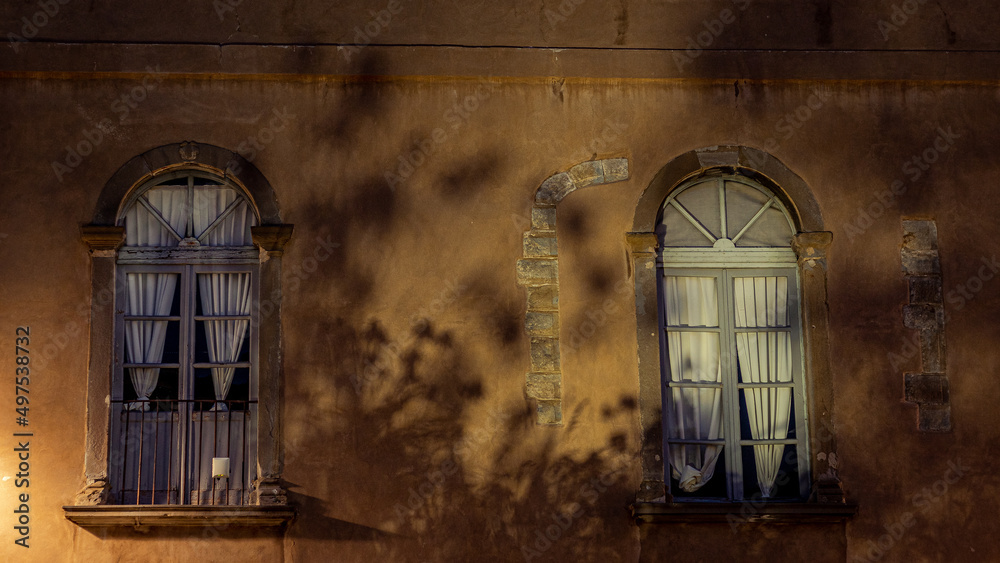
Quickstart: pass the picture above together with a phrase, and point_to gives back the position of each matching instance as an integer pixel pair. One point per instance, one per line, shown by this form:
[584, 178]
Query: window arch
[729, 258]
[188, 208]
[185, 337]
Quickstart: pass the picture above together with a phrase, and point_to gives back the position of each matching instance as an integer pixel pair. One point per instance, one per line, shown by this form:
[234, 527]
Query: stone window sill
[177, 516]
[736, 513]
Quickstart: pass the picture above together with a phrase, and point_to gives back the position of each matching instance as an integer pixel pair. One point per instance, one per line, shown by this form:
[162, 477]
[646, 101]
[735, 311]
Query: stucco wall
[407, 435]
[441, 246]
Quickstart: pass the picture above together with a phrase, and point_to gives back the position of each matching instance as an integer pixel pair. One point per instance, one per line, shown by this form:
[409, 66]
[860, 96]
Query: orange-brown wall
[422, 272]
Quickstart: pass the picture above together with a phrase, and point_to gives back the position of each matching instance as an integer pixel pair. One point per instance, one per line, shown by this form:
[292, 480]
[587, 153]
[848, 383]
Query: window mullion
[187, 334]
[724, 225]
[190, 207]
[731, 398]
[185, 408]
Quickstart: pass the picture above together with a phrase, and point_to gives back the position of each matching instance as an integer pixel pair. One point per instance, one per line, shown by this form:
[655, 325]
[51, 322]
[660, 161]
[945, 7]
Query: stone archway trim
[538, 273]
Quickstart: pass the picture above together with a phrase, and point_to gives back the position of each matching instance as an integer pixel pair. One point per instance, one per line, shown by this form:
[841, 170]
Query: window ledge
[735, 513]
[174, 515]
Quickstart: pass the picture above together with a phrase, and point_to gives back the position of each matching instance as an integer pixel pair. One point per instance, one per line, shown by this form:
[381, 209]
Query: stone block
[920, 235]
[934, 418]
[920, 262]
[536, 245]
[549, 413]
[711, 157]
[543, 218]
[544, 386]
[542, 323]
[925, 289]
[812, 244]
[543, 298]
[544, 354]
[102, 237]
[587, 173]
[926, 388]
[615, 170]
[923, 316]
[555, 188]
[642, 243]
[537, 271]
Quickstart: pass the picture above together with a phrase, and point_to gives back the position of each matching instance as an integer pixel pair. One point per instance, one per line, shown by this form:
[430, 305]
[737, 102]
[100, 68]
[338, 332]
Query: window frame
[654, 503]
[734, 442]
[724, 261]
[187, 273]
[104, 238]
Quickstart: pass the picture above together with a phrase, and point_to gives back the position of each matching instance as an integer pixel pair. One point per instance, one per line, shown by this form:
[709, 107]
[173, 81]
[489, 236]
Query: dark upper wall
[757, 24]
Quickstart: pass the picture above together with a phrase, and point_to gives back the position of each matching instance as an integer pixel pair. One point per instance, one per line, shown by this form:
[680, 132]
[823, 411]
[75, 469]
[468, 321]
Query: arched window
[186, 248]
[184, 390]
[735, 387]
[730, 341]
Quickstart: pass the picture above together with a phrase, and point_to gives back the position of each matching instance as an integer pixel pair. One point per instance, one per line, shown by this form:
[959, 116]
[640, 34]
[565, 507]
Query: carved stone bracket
[272, 238]
[269, 492]
[96, 492]
[811, 248]
[102, 239]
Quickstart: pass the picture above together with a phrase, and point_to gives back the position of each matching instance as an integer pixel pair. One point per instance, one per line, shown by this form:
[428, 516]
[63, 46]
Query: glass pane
[227, 333]
[761, 301]
[164, 395]
[210, 202]
[693, 356]
[204, 389]
[151, 342]
[676, 230]
[206, 380]
[239, 390]
[143, 228]
[694, 414]
[151, 294]
[771, 230]
[223, 295]
[764, 357]
[172, 344]
[742, 203]
[691, 301]
[702, 201]
[770, 472]
[747, 432]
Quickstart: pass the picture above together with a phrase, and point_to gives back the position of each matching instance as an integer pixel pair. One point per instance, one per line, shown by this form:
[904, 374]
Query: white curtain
[143, 229]
[148, 295]
[231, 231]
[224, 294]
[696, 413]
[765, 357]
